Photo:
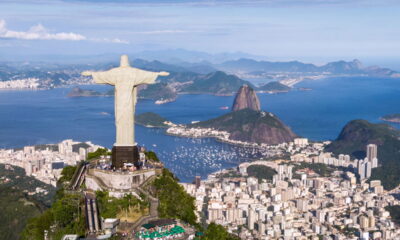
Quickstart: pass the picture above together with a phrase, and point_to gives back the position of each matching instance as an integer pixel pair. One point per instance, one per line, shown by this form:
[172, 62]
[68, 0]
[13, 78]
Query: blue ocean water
[40, 117]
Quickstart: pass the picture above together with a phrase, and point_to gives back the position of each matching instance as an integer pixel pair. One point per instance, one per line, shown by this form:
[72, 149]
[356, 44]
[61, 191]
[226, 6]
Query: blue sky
[310, 30]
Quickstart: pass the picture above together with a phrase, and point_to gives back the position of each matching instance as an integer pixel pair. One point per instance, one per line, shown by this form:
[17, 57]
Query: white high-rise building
[372, 152]
[361, 166]
[368, 168]
[321, 216]
[374, 163]
[82, 154]
[251, 219]
[61, 148]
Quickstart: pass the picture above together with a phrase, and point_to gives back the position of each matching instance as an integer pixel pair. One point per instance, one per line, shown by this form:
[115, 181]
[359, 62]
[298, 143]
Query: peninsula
[245, 124]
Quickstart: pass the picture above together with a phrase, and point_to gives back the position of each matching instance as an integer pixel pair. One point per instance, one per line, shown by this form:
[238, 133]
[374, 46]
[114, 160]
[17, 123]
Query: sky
[309, 30]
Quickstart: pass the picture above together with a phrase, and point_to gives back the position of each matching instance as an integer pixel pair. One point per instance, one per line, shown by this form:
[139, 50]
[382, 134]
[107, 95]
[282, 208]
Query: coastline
[223, 137]
[395, 120]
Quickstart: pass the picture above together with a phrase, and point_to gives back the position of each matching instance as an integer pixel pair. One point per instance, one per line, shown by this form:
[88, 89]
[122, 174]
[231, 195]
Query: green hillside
[357, 134]
[16, 205]
[216, 83]
[158, 91]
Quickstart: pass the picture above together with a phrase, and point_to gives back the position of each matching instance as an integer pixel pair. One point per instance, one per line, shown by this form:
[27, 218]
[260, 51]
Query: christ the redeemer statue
[125, 79]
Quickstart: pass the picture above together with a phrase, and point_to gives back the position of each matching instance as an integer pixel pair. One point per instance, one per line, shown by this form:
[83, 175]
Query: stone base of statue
[124, 154]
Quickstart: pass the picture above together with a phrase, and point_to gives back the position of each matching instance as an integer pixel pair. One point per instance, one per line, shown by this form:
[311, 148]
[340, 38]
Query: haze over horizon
[308, 30]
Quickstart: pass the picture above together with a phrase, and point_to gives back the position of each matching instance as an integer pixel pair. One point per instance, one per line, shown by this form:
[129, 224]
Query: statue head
[124, 61]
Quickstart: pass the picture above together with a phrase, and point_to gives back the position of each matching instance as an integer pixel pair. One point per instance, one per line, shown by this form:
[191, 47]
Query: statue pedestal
[124, 154]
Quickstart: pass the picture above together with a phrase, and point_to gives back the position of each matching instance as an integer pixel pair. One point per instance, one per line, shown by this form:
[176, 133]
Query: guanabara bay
[199, 120]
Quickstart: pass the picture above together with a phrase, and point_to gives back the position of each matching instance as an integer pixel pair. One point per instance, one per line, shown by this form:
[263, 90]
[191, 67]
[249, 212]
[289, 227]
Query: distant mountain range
[202, 77]
[339, 67]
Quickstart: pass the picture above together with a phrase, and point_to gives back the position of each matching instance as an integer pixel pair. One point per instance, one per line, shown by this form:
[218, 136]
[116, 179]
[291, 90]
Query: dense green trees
[98, 153]
[174, 201]
[319, 168]
[16, 205]
[64, 217]
[66, 174]
[110, 206]
[218, 232]
[152, 156]
[261, 172]
[394, 213]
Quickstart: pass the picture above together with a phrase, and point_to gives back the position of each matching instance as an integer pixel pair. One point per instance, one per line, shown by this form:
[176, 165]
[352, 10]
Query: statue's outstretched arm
[100, 77]
[163, 74]
[150, 77]
[87, 73]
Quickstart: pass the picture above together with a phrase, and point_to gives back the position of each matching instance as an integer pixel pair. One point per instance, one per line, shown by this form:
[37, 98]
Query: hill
[158, 91]
[354, 138]
[218, 83]
[274, 87]
[149, 119]
[16, 205]
[251, 126]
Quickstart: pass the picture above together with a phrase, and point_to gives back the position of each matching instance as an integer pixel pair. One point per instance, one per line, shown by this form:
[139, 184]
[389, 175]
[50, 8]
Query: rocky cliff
[246, 97]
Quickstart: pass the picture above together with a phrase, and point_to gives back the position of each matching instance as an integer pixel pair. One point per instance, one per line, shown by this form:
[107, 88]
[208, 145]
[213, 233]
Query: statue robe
[125, 79]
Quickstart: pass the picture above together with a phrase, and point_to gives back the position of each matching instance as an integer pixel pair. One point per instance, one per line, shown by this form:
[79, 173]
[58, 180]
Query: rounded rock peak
[246, 97]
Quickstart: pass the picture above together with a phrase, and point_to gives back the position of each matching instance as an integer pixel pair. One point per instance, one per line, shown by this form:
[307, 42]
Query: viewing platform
[117, 182]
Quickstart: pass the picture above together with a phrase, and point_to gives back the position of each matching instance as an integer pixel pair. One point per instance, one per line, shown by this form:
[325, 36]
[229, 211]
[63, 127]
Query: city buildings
[298, 204]
[45, 163]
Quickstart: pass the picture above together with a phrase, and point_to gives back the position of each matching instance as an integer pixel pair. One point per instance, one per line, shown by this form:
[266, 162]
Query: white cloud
[39, 32]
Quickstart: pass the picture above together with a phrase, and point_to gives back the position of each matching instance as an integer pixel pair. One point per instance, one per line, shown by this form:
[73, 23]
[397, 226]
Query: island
[79, 92]
[160, 93]
[395, 118]
[274, 87]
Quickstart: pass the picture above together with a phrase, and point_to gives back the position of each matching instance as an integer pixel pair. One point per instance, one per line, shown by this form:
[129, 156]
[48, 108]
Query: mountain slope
[358, 133]
[251, 126]
[158, 91]
[16, 206]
